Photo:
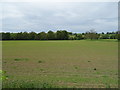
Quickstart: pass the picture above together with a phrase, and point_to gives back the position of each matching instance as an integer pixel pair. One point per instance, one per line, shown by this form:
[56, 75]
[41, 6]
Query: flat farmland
[62, 64]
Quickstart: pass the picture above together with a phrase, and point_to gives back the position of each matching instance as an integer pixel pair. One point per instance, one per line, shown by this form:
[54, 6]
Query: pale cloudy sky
[70, 16]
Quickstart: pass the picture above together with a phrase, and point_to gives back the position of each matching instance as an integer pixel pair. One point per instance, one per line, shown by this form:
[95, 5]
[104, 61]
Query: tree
[79, 37]
[59, 35]
[83, 33]
[43, 36]
[92, 34]
[65, 35]
[62, 35]
[104, 36]
[112, 36]
[25, 36]
[37, 36]
[6, 36]
[71, 37]
[118, 35]
[70, 33]
[0, 35]
[13, 36]
[102, 32]
[19, 36]
[32, 35]
[51, 35]
[108, 33]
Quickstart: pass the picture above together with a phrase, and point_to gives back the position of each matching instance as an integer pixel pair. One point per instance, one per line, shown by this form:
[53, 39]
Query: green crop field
[61, 64]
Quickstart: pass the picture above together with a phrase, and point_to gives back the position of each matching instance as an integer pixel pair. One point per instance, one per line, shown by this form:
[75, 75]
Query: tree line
[59, 35]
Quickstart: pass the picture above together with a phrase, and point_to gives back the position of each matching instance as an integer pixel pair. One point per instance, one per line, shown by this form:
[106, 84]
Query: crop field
[60, 64]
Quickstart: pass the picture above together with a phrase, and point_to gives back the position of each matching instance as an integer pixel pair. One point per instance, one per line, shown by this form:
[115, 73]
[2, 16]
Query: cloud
[75, 16]
[59, 0]
[11, 11]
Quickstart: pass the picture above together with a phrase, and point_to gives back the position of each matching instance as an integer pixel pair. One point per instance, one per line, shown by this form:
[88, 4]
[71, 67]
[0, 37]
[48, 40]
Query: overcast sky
[71, 16]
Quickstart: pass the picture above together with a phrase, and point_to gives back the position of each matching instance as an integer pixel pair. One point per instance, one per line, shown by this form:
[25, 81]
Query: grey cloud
[75, 17]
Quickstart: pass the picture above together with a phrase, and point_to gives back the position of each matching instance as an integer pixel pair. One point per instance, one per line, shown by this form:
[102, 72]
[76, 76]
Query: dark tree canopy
[51, 35]
[43, 36]
[59, 35]
[62, 35]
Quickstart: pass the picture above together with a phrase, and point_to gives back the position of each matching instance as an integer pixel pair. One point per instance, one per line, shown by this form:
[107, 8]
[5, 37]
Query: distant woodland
[59, 35]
